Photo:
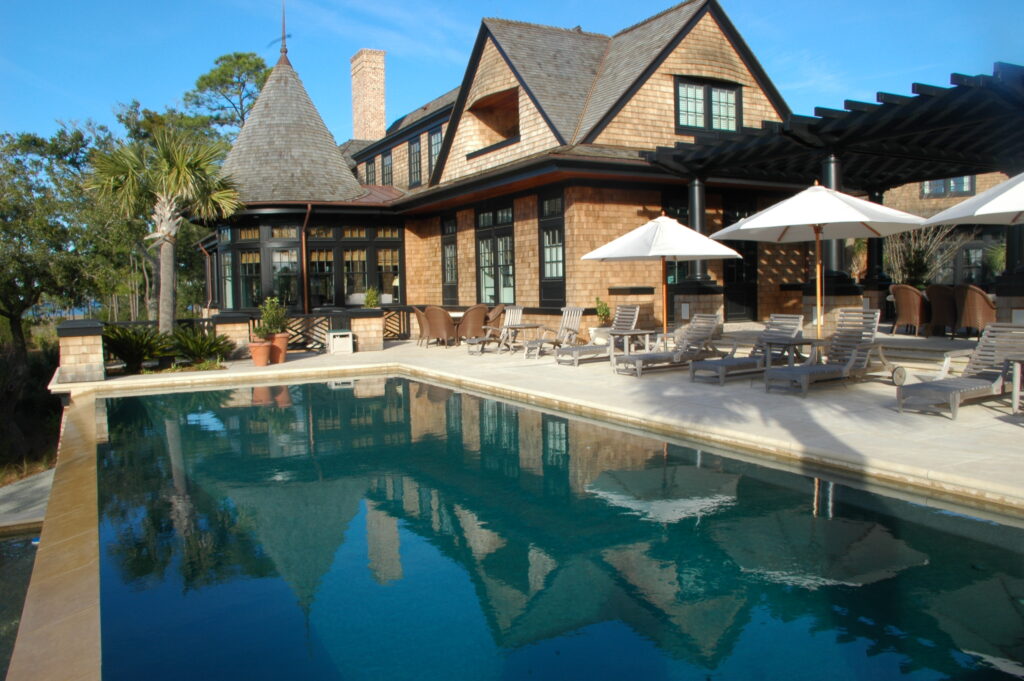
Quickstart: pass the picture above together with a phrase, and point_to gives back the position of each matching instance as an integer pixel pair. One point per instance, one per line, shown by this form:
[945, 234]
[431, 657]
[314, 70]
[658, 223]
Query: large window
[950, 186]
[321, 277]
[434, 144]
[552, 251]
[227, 281]
[495, 256]
[708, 105]
[387, 275]
[449, 261]
[285, 269]
[250, 283]
[415, 174]
[355, 275]
[386, 177]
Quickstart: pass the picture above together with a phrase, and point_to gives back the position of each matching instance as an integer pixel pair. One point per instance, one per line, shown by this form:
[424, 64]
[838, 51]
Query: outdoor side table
[791, 346]
[510, 333]
[627, 335]
[340, 342]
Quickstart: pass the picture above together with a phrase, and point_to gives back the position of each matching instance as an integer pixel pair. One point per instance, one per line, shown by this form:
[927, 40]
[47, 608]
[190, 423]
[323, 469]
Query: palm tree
[172, 176]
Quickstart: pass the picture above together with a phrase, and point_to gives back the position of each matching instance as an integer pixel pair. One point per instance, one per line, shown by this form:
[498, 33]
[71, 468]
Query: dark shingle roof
[557, 65]
[447, 99]
[350, 148]
[284, 151]
[630, 53]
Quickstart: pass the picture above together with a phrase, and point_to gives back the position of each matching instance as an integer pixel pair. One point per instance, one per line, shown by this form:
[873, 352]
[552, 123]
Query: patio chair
[472, 322]
[624, 320]
[441, 326]
[566, 333]
[975, 310]
[910, 307]
[942, 306]
[423, 336]
[849, 350]
[779, 327]
[985, 375]
[513, 314]
[691, 341]
[493, 317]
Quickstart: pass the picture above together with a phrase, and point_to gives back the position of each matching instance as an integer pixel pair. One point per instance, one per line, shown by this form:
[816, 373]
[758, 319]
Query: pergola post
[831, 177]
[698, 222]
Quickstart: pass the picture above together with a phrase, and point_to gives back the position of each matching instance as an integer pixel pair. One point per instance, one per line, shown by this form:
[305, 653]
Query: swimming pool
[17, 554]
[389, 529]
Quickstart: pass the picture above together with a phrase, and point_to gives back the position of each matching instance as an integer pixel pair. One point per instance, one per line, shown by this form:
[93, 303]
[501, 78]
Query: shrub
[372, 297]
[604, 313]
[273, 316]
[133, 345]
[198, 345]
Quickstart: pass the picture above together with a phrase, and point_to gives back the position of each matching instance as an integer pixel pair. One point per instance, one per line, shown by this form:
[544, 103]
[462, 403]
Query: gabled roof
[447, 99]
[556, 65]
[284, 151]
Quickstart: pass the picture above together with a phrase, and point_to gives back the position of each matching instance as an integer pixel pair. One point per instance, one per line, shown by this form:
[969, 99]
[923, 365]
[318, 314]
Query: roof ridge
[656, 16]
[590, 93]
[575, 31]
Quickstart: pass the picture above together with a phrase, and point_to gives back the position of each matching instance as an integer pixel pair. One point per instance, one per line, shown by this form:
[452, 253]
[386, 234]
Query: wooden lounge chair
[779, 327]
[565, 334]
[985, 375]
[472, 322]
[974, 309]
[442, 328]
[495, 334]
[910, 305]
[624, 320]
[691, 341]
[849, 350]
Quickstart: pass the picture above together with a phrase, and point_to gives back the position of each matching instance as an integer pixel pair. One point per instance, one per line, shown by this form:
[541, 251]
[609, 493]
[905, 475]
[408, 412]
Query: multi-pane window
[415, 174]
[250, 284]
[950, 186]
[284, 232]
[224, 235]
[371, 171]
[387, 274]
[249, 234]
[354, 264]
[434, 147]
[708, 105]
[555, 455]
[552, 251]
[353, 233]
[388, 233]
[284, 263]
[227, 281]
[321, 277]
[449, 261]
[495, 256]
[385, 169]
[499, 438]
[321, 233]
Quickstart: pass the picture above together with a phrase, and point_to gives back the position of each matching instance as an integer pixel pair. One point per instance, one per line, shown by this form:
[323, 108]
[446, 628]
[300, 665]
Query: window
[950, 186]
[355, 276]
[555, 456]
[449, 261]
[371, 171]
[249, 278]
[707, 105]
[353, 233]
[495, 256]
[415, 176]
[434, 143]
[387, 275]
[388, 233]
[385, 169]
[321, 233]
[321, 277]
[284, 232]
[284, 265]
[551, 229]
[224, 235]
[249, 234]
[227, 281]
[499, 438]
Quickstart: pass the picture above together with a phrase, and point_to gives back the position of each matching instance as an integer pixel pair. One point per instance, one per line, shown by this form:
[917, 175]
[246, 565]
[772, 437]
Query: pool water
[388, 529]
[17, 555]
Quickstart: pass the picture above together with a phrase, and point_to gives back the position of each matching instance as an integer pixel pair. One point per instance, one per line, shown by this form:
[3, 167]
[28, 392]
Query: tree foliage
[227, 92]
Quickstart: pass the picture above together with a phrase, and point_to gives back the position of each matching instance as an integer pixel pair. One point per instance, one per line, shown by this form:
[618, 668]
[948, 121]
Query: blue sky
[74, 60]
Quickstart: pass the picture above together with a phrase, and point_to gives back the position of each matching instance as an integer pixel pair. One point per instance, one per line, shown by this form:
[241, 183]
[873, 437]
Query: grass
[13, 472]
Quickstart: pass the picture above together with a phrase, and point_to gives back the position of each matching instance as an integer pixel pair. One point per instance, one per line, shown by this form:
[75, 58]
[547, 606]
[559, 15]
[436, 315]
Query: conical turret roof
[284, 151]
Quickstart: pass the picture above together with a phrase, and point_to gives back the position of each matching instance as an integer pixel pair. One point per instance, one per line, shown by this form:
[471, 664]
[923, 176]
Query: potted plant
[274, 318]
[599, 335]
[260, 345]
[372, 297]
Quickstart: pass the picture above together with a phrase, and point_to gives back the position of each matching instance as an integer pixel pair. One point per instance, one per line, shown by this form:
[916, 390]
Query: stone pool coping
[59, 635]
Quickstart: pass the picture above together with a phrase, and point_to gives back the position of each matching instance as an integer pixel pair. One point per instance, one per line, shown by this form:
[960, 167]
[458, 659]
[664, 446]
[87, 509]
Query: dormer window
[707, 105]
[495, 120]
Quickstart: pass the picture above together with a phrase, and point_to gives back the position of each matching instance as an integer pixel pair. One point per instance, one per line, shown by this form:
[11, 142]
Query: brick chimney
[368, 119]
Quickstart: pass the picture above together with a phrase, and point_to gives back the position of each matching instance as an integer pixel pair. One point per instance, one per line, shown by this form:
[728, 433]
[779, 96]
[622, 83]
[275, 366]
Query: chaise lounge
[566, 333]
[624, 320]
[779, 327]
[691, 341]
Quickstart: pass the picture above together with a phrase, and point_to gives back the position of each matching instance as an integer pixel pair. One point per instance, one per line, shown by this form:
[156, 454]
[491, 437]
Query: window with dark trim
[250, 280]
[415, 174]
[708, 105]
[386, 175]
[551, 232]
[321, 277]
[371, 171]
[449, 261]
[434, 147]
[284, 268]
[496, 281]
[950, 186]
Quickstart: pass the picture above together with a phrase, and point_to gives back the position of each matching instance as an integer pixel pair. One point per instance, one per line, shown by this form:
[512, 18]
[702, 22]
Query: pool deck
[849, 432]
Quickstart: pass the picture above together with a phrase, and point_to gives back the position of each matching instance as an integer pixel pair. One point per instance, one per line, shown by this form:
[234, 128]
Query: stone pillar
[368, 328]
[81, 351]
[236, 327]
[369, 121]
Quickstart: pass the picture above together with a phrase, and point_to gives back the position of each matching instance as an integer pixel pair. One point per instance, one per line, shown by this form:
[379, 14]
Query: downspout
[209, 277]
[305, 261]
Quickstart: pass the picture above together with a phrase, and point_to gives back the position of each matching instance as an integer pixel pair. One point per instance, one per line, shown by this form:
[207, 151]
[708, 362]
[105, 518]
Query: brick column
[368, 328]
[236, 327]
[81, 351]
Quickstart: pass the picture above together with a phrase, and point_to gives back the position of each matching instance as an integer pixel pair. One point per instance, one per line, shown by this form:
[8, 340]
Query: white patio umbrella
[819, 213]
[1000, 205]
[662, 239]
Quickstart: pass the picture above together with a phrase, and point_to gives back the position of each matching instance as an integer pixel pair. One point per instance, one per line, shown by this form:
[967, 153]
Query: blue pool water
[388, 529]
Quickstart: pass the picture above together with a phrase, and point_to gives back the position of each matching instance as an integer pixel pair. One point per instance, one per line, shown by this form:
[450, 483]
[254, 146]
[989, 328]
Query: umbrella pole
[664, 295]
[819, 285]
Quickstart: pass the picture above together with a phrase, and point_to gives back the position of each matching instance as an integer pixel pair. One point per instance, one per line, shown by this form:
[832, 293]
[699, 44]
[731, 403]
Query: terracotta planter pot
[260, 351]
[279, 351]
[282, 396]
[261, 396]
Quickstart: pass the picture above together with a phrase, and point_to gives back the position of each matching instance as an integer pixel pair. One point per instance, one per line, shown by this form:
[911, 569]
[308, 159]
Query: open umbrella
[662, 239]
[1000, 205]
[667, 494]
[819, 213]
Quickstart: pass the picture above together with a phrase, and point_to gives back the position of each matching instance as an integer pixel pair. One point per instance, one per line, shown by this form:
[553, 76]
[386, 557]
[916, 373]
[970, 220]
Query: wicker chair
[423, 338]
[472, 322]
[943, 309]
[974, 309]
[441, 326]
[911, 307]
